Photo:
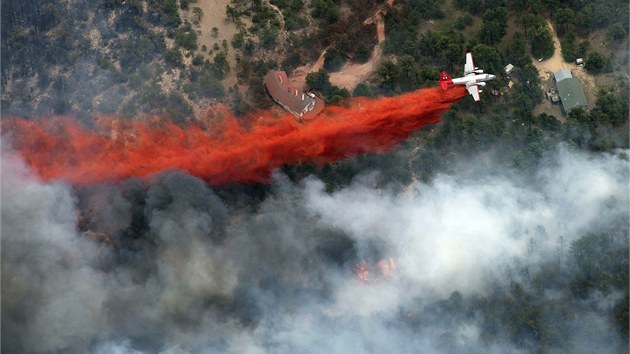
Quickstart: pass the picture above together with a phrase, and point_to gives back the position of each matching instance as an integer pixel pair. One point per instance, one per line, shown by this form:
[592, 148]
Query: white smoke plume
[178, 272]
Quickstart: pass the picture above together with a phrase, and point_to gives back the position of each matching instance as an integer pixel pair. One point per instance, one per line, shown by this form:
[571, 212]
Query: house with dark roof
[303, 105]
[570, 91]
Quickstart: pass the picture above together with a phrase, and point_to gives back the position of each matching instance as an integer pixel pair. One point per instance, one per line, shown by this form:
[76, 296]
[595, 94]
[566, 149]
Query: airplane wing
[469, 67]
[473, 90]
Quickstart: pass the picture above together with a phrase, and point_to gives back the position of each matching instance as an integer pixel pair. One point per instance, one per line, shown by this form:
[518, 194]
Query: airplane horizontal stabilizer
[445, 80]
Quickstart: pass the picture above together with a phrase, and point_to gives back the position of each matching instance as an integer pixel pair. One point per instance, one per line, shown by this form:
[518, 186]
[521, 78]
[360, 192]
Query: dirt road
[350, 75]
[547, 67]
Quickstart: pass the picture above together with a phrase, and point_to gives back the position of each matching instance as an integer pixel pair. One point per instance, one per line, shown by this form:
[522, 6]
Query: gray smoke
[165, 266]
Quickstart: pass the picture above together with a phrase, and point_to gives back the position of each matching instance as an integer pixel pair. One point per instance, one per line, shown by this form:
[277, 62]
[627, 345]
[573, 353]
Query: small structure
[552, 95]
[570, 91]
[579, 62]
[509, 68]
[303, 105]
[562, 74]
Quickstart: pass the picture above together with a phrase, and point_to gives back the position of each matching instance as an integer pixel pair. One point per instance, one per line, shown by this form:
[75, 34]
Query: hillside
[156, 200]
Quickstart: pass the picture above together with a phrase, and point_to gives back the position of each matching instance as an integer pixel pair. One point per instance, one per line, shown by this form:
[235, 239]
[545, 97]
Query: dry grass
[213, 16]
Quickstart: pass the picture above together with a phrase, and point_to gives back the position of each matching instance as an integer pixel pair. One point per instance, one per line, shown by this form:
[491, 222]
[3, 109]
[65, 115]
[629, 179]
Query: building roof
[571, 94]
[289, 97]
[562, 75]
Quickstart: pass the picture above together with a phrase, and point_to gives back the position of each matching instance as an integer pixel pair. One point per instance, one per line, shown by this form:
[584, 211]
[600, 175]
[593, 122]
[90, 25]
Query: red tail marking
[445, 79]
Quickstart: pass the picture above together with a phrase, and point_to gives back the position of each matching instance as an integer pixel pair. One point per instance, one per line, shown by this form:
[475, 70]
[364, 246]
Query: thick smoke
[163, 265]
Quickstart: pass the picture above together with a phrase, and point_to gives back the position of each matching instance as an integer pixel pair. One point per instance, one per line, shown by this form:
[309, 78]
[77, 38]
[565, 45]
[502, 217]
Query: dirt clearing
[213, 16]
[350, 75]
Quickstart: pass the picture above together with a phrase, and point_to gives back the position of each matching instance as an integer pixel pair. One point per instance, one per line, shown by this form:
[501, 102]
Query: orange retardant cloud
[62, 148]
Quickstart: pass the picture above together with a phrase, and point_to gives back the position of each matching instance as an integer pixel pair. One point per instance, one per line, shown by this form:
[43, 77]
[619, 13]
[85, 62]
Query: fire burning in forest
[376, 272]
[61, 148]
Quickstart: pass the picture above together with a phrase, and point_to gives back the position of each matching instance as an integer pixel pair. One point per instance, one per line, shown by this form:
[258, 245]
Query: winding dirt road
[350, 75]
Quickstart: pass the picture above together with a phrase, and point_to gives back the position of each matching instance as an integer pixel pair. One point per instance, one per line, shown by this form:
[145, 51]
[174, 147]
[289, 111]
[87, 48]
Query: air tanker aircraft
[473, 78]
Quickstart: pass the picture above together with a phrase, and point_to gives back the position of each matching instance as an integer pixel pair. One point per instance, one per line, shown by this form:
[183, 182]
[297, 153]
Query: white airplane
[473, 78]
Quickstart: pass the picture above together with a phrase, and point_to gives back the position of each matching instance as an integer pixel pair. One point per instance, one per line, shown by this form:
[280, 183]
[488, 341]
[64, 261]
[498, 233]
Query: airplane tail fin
[445, 79]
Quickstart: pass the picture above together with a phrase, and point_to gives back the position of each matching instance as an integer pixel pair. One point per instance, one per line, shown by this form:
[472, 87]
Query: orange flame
[376, 272]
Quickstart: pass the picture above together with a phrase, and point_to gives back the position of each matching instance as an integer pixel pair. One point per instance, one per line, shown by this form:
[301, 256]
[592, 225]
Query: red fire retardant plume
[61, 148]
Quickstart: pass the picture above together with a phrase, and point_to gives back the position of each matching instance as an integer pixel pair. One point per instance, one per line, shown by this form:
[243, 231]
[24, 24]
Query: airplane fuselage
[472, 78]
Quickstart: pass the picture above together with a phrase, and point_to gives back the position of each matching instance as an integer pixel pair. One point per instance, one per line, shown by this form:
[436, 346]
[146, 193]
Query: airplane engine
[481, 84]
[479, 71]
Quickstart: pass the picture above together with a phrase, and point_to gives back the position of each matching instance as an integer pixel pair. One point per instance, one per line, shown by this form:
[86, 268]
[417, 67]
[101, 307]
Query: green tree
[602, 263]
[197, 11]
[616, 32]
[463, 21]
[401, 36]
[564, 18]
[183, 4]
[249, 47]
[186, 37]
[173, 57]
[238, 104]
[613, 108]
[224, 45]
[387, 73]
[197, 60]
[578, 128]
[569, 48]
[362, 53]
[177, 107]
[547, 122]
[364, 90]
[595, 63]
[325, 10]
[167, 13]
[428, 76]
[292, 61]
[333, 60]
[220, 66]
[516, 52]
[583, 48]
[494, 25]
[408, 73]
[268, 38]
[488, 58]
[206, 84]
[529, 21]
[238, 40]
[231, 13]
[319, 81]
[621, 317]
[541, 42]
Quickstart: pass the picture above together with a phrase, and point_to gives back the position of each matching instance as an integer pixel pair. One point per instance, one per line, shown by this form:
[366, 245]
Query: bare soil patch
[214, 16]
[351, 74]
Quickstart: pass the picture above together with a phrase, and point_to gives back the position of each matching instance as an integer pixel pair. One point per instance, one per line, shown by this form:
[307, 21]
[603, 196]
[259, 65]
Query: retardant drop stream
[61, 148]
